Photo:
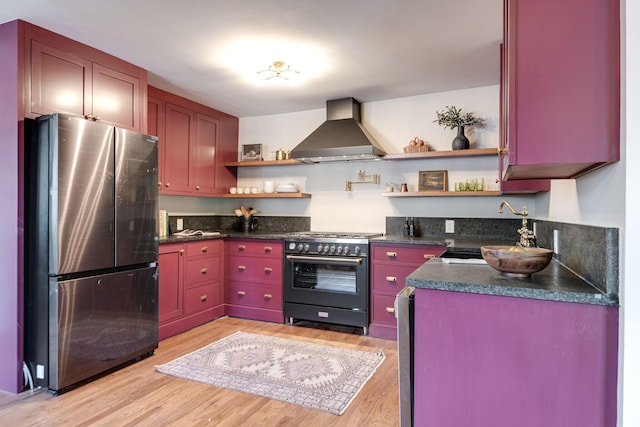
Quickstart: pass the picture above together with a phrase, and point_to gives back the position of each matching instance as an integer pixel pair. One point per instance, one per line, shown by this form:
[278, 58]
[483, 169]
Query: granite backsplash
[590, 252]
[228, 223]
[497, 229]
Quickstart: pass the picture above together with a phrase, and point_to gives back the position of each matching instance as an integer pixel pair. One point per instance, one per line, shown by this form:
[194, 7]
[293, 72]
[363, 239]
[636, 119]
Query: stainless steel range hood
[342, 137]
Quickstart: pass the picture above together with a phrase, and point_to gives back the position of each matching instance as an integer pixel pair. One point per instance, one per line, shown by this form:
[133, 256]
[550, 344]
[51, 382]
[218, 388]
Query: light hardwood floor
[139, 396]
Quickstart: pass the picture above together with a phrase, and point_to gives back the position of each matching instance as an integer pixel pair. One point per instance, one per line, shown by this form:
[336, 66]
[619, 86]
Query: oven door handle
[324, 259]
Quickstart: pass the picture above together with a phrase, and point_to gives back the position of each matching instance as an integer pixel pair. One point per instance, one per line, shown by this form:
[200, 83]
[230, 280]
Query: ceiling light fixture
[277, 70]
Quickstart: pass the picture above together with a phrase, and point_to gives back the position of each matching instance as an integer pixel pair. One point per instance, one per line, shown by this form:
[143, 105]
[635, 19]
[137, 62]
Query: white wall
[630, 298]
[393, 123]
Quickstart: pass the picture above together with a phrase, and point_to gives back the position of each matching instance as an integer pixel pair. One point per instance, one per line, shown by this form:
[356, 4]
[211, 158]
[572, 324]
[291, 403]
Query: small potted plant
[452, 118]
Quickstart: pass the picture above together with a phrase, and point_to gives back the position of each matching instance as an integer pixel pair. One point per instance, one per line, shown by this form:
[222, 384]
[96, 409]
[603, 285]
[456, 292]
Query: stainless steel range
[326, 278]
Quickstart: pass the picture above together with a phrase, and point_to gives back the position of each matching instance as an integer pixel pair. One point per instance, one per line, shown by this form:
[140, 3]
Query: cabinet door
[563, 87]
[115, 97]
[170, 282]
[204, 154]
[155, 126]
[179, 137]
[60, 81]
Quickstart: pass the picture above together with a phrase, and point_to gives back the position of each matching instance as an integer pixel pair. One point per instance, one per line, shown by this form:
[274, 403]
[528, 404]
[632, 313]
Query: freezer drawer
[102, 322]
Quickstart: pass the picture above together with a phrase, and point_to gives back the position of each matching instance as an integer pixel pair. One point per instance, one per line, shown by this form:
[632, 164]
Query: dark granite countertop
[452, 244]
[554, 283]
[223, 235]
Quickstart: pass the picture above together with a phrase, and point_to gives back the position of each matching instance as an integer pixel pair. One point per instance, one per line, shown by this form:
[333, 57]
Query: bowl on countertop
[516, 261]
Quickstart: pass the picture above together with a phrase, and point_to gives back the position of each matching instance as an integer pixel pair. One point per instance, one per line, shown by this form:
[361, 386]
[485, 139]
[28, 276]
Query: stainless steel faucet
[527, 238]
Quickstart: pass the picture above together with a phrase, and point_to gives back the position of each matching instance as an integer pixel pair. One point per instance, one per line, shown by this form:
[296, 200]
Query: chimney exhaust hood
[340, 138]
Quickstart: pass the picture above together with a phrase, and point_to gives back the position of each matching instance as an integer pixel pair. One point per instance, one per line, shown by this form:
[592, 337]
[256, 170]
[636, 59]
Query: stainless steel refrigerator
[91, 249]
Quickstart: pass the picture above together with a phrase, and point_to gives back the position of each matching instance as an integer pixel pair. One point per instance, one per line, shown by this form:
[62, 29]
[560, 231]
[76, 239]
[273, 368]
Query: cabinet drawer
[382, 311]
[204, 248]
[262, 296]
[201, 298]
[255, 269]
[167, 248]
[202, 270]
[411, 254]
[256, 247]
[389, 278]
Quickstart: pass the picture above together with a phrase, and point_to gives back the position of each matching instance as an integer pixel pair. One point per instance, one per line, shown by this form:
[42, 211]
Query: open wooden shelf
[441, 194]
[268, 196]
[471, 152]
[253, 163]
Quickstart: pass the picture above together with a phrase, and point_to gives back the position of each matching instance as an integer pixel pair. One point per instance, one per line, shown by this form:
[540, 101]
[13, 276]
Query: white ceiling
[210, 50]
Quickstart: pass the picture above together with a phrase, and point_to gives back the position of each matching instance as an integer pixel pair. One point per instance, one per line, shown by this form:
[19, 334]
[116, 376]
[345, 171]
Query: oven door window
[325, 277]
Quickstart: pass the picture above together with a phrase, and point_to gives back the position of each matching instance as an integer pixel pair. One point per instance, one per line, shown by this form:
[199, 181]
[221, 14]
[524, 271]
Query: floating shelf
[471, 152]
[268, 196]
[253, 163]
[441, 194]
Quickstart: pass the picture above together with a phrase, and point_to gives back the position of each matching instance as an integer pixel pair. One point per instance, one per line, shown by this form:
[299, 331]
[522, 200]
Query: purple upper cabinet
[561, 87]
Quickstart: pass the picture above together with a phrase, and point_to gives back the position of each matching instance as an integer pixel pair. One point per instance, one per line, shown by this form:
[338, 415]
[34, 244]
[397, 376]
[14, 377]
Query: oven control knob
[332, 249]
[357, 249]
[300, 247]
[292, 246]
[319, 249]
[325, 249]
[306, 247]
[346, 250]
[339, 250]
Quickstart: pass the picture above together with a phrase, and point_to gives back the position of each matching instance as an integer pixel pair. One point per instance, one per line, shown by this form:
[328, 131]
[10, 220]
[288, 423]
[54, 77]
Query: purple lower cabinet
[491, 361]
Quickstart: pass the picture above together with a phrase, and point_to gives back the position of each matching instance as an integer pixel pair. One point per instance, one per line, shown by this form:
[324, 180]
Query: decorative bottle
[405, 227]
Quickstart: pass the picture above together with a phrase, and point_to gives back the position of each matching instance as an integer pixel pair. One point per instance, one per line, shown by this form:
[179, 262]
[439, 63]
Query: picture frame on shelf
[432, 181]
[251, 152]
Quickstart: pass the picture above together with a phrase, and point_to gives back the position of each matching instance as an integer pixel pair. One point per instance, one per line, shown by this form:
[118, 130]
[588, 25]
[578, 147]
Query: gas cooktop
[332, 235]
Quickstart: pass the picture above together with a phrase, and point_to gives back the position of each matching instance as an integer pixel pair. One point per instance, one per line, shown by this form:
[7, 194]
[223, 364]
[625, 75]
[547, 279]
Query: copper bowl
[516, 261]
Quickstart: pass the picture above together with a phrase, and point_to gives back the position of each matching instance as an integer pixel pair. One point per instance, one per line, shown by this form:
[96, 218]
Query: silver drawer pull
[268, 248]
[242, 267]
[392, 254]
[390, 310]
[268, 269]
[391, 279]
[429, 256]
[241, 293]
[268, 296]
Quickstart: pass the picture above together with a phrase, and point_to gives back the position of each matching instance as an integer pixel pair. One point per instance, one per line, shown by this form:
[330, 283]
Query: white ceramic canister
[268, 186]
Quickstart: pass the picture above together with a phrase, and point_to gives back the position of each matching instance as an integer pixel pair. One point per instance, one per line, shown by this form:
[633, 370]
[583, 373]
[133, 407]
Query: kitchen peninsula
[496, 350]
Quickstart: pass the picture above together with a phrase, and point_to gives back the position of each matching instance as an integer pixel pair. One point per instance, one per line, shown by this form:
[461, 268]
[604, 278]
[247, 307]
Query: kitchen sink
[462, 254]
[517, 261]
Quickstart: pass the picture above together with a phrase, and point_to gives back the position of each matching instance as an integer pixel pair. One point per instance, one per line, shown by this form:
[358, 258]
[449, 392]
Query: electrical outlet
[449, 226]
[179, 224]
[556, 242]
[40, 372]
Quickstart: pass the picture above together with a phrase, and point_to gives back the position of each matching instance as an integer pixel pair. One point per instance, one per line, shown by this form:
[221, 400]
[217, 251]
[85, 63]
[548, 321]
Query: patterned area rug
[315, 376]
